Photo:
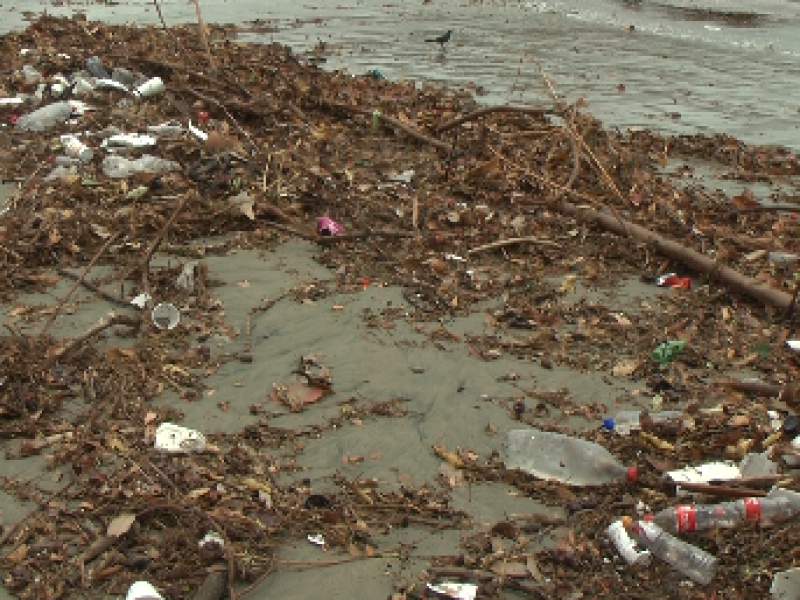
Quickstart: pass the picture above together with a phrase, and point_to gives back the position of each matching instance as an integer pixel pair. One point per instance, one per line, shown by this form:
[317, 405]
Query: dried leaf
[121, 525]
[625, 367]
[244, 203]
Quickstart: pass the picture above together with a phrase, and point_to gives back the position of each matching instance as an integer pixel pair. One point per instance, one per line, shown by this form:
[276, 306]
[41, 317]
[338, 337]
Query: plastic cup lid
[166, 316]
[632, 473]
[608, 423]
[143, 590]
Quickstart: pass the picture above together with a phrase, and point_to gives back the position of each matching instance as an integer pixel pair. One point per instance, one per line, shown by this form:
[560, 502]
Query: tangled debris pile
[149, 148]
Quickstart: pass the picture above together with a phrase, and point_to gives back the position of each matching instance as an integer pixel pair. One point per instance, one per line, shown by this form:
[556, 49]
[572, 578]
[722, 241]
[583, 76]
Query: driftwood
[691, 258]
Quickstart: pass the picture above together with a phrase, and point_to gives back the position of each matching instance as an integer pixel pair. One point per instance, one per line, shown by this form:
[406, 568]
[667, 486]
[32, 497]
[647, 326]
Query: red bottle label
[685, 518]
[752, 509]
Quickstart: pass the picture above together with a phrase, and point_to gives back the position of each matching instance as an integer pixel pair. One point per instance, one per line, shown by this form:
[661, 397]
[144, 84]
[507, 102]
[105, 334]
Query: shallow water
[686, 67]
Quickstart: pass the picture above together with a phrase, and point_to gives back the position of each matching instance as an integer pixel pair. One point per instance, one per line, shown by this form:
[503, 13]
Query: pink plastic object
[327, 226]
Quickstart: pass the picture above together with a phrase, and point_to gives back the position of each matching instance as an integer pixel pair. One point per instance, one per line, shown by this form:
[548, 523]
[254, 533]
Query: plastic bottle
[556, 456]
[45, 117]
[124, 76]
[96, 67]
[628, 420]
[680, 519]
[119, 167]
[694, 562]
[31, 74]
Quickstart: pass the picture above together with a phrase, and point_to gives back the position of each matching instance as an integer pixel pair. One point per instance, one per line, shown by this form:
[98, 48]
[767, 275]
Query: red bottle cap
[632, 474]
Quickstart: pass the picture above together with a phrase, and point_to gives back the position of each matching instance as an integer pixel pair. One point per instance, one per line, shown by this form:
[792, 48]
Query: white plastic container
[176, 439]
[74, 148]
[625, 545]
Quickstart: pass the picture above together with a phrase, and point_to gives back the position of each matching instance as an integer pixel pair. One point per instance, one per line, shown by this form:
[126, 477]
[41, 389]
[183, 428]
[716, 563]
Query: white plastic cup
[166, 316]
[143, 590]
[151, 87]
[618, 535]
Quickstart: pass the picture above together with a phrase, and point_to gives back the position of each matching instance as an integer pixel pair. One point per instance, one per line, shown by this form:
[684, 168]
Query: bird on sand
[442, 39]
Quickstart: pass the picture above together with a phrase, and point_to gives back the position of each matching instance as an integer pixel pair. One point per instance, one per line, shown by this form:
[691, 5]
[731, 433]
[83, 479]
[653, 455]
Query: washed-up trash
[404, 177]
[110, 83]
[672, 280]
[174, 438]
[667, 351]
[683, 518]
[793, 344]
[74, 148]
[166, 316]
[143, 590]
[212, 537]
[717, 471]
[168, 128]
[11, 101]
[96, 67]
[691, 561]
[327, 226]
[459, 591]
[46, 116]
[129, 140]
[151, 87]
[786, 585]
[317, 539]
[62, 172]
[574, 461]
[198, 133]
[626, 421]
[141, 300]
[119, 167]
[626, 546]
[123, 76]
[782, 259]
[375, 74]
[185, 280]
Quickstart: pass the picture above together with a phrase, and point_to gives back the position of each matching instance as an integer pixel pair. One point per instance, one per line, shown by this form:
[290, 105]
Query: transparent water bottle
[693, 562]
[629, 420]
[96, 67]
[557, 456]
[45, 117]
[680, 519]
[119, 167]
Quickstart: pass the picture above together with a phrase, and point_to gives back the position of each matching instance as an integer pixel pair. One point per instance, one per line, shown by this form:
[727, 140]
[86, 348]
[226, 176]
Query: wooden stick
[511, 242]
[487, 110]
[404, 127]
[719, 490]
[679, 251]
[160, 16]
[203, 37]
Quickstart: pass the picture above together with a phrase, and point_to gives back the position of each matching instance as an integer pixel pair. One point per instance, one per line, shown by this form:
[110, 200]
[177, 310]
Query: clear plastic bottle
[45, 117]
[119, 167]
[694, 562]
[628, 420]
[96, 67]
[680, 519]
[557, 456]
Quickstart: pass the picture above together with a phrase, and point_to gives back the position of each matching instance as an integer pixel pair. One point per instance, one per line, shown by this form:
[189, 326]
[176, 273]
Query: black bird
[442, 39]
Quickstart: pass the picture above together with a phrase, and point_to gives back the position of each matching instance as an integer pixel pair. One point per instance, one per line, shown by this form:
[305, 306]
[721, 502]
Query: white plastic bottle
[557, 456]
[680, 519]
[694, 562]
[629, 420]
[119, 167]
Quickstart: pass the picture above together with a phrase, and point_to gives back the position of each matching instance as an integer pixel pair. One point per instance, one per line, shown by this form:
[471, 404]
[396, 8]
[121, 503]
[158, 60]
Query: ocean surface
[673, 65]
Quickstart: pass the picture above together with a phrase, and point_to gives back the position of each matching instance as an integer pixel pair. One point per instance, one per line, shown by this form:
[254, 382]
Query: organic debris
[461, 205]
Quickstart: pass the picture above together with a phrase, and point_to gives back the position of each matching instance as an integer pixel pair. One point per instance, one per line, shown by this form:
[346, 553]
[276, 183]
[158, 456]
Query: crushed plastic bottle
[693, 562]
[119, 167]
[96, 68]
[46, 117]
[557, 456]
[629, 420]
[683, 518]
[626, 547]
